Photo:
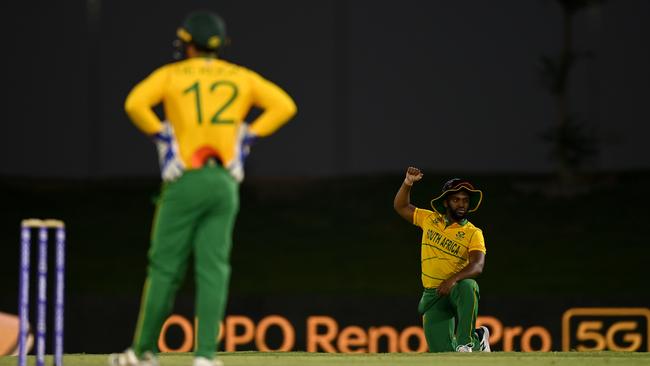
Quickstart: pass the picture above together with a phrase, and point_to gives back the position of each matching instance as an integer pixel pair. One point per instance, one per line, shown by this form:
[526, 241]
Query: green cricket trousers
[450, 321]
[195, 216]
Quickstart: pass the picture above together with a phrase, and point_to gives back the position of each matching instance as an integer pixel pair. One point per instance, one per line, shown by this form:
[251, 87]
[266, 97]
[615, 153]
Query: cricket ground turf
[383, 359]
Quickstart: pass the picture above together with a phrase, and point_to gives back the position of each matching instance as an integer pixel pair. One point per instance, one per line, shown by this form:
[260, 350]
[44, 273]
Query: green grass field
[411, 359]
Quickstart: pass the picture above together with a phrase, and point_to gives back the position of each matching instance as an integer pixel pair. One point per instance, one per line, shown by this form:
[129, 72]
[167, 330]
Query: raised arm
[402, 202]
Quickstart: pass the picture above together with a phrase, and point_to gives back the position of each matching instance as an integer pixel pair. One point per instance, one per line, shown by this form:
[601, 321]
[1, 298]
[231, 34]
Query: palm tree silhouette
[572, 144]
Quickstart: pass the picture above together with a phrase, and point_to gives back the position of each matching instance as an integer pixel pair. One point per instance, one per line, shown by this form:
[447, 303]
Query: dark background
[379, 85]
[452, 87]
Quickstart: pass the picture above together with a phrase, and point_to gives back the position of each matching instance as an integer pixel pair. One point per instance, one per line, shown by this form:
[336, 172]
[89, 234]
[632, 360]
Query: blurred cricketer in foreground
[453, 252]
[201, 148]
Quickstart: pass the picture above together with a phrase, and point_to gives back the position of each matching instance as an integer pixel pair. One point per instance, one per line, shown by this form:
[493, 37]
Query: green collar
[461, 222]
[208, 55]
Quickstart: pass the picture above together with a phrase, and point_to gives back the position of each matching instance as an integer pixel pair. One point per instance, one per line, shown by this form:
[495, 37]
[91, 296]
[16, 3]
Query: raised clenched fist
[412, 175]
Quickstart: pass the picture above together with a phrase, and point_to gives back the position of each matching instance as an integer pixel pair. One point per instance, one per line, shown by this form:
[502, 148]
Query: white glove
[245, 139]
[171, 165]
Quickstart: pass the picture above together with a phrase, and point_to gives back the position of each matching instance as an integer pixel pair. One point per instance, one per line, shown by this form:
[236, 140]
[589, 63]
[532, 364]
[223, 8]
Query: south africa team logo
[460, 235]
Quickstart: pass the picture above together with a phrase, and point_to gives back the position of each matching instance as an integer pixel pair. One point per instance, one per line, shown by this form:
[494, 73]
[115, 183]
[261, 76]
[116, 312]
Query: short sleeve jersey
[445, 248]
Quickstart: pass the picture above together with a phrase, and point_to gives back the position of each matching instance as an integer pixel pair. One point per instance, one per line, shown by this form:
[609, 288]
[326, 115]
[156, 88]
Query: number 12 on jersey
[216, 116]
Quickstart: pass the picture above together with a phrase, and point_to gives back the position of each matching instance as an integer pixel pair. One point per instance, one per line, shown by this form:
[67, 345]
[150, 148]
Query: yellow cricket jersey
[205, 100]
[445, 249]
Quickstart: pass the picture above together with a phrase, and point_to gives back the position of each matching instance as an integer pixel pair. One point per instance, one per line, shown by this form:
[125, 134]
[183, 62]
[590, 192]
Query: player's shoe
[484, 337]
[202, 361]
[464, 348]
[128, 358]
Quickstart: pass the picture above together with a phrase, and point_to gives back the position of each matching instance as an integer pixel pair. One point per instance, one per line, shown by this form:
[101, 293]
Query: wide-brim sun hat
[456, 185]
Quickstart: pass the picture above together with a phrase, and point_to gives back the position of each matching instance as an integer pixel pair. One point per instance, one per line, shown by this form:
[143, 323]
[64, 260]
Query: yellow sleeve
[277, 105]
[477, 242]
[143, 97]
[419, 215]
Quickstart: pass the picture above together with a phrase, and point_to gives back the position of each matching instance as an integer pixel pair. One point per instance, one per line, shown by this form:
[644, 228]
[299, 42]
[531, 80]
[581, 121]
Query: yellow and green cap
[455, 185]
[204, 29]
